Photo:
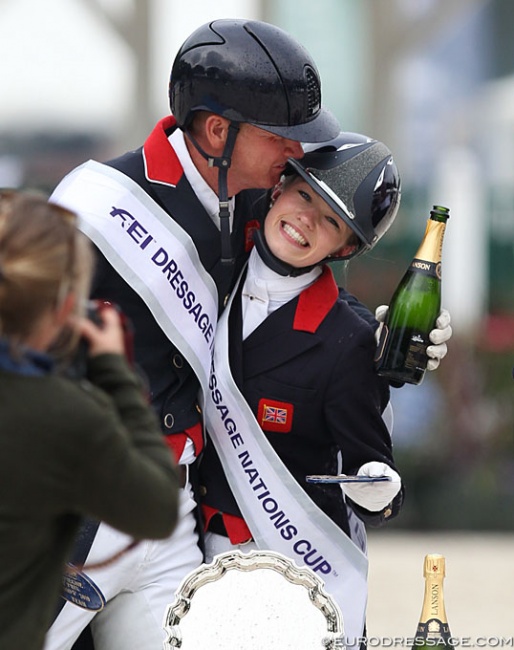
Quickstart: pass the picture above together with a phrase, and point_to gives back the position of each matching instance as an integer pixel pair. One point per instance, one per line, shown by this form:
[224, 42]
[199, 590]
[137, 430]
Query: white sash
[155, 256]
[280, 515]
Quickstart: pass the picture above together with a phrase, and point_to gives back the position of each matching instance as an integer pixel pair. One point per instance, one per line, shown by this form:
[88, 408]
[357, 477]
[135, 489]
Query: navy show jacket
[313, 359]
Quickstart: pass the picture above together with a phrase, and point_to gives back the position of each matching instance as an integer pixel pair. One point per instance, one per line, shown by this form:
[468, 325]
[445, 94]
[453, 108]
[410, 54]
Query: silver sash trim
[278, 512]
[156, 257]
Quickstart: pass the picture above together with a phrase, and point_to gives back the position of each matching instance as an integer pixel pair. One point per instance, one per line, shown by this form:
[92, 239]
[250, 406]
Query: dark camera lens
[78, 366]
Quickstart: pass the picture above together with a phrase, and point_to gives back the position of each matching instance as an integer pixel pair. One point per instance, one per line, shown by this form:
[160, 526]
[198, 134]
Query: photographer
[68, 448]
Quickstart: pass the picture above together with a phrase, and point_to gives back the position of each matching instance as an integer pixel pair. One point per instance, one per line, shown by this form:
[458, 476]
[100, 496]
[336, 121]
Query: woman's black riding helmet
[359, 180]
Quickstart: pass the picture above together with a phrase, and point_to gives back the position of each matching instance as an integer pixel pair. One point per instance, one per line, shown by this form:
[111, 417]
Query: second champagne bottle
[433, 629]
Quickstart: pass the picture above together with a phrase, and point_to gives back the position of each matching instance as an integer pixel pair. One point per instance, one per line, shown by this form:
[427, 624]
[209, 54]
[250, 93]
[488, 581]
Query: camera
[78, 365]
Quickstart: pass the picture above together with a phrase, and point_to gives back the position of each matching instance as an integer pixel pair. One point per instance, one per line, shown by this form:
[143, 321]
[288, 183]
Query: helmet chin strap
[223, 163]
[281, 267]
[272, 261]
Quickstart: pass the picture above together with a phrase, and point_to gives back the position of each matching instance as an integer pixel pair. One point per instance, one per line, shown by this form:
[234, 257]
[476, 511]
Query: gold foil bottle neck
[434, 566]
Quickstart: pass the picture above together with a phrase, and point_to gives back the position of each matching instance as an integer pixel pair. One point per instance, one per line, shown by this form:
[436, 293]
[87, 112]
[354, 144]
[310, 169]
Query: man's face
[259, 159]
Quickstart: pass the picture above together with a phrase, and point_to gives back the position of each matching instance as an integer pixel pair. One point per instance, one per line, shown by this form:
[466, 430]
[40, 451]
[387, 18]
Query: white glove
[374, 496]
[438, 336]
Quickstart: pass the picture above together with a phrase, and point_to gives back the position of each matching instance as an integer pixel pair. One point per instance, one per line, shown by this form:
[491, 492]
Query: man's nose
[293, 149]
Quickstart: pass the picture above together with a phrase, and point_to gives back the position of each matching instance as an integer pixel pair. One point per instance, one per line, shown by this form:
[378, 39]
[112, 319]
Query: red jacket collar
[161, 162]
[315, 302]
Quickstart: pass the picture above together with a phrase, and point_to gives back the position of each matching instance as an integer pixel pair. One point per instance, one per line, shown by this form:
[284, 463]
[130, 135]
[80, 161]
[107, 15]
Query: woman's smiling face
[301, 229]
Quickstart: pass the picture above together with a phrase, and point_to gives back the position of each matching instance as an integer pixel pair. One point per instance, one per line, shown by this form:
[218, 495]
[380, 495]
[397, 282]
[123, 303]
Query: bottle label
[424, 267]
[416, 356]
[407, 360]
[434, 630]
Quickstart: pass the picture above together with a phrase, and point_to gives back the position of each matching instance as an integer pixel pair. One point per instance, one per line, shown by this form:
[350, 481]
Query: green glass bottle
[414, 307]
[433, 629]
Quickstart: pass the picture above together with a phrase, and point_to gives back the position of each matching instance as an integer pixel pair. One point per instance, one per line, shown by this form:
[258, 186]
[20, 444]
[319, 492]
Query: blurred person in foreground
[68, 447]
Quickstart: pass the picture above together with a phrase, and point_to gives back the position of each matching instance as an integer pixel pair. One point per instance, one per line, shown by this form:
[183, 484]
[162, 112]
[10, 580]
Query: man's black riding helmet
[250, 71]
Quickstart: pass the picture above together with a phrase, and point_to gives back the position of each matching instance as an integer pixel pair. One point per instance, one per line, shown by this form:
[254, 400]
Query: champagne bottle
[433, 629]
[414, 307]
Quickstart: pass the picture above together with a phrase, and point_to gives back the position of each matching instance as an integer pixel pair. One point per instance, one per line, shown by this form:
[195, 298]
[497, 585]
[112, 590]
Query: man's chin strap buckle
[221, 161]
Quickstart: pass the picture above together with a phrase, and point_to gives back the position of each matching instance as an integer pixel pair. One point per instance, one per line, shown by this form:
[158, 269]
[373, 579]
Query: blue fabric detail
[29, 362]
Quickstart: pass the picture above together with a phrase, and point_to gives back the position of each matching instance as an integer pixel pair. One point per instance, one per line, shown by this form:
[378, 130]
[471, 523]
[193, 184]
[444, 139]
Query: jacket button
[178, 361]
[388, 512]
[225, 300]
[169, 420]
[202, 490]
[199, 408]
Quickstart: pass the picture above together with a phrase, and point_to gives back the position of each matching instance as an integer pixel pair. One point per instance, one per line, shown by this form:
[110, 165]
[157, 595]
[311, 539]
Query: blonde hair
[43, 257]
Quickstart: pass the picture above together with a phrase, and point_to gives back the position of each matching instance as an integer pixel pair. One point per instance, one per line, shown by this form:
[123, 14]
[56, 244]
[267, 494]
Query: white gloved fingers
[438, 336]
[443, 320]
[375, 468]
[442, 331]
[381, 313]
[433, 364]
[374, 496]
[380, 316]
[435, 353]
[371, 496]
[378, 333]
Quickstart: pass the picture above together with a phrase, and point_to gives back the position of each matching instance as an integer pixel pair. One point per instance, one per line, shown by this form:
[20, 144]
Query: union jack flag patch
[275, 416]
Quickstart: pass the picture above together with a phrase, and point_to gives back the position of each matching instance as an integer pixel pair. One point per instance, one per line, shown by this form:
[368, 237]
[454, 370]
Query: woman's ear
[276, 192]
[345, 251]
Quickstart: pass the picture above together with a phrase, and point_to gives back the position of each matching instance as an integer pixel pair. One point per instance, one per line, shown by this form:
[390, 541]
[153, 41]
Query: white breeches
[138, 587]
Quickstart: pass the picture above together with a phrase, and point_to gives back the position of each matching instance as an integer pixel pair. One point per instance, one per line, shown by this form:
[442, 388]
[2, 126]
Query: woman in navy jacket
[290, 347]
[301, 357]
